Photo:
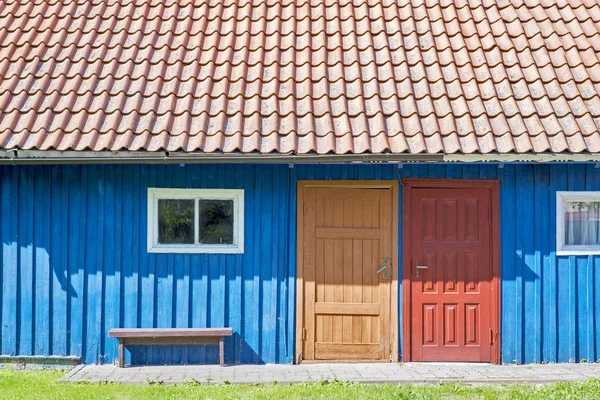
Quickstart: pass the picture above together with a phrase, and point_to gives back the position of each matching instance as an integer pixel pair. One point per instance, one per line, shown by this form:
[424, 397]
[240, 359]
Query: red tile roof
[303, 76]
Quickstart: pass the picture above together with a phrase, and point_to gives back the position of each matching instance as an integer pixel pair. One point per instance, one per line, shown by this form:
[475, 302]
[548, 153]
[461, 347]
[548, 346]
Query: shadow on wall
[57, 309]
[190, 354]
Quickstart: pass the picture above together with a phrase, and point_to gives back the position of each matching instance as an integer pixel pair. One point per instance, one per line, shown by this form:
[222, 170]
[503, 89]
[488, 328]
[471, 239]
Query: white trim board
[237, 195]
[570, 250]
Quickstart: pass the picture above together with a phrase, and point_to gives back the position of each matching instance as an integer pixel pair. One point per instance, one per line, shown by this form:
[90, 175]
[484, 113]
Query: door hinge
[303, 333]
[491, 336]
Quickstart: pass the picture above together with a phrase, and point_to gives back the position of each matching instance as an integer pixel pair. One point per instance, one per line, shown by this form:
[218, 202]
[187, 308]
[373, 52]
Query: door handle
[419, 267]
[384, 269]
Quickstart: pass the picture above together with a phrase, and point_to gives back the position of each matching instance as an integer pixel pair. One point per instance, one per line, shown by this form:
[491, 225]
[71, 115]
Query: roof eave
[162, 157]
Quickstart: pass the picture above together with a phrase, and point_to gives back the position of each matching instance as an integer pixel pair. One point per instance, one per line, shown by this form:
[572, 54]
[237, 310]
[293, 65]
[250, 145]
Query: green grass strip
[42, 384]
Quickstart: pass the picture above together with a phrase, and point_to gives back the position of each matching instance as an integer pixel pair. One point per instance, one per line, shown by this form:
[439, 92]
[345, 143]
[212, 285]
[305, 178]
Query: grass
[41, 384]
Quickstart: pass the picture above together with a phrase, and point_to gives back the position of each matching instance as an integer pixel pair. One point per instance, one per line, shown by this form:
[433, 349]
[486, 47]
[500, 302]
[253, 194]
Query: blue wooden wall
[74, 262]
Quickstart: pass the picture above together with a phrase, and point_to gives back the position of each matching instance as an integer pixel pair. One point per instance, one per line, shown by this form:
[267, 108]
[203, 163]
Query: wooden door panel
[451, 274]
[346, 239]
[347, 351]
[450, 325]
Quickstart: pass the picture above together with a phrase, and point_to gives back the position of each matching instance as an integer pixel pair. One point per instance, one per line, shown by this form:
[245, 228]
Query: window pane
[216, 221]
[175, 221]
[582, 223]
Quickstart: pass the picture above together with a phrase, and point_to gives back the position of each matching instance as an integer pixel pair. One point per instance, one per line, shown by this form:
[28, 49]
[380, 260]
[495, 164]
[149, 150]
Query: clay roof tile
[300, 77]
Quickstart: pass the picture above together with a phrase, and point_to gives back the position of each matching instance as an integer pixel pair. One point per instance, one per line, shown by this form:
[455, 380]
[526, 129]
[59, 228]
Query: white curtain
[582, 223]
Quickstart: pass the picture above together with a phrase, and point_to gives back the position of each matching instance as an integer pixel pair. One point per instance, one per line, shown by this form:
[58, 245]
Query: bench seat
[151, 336]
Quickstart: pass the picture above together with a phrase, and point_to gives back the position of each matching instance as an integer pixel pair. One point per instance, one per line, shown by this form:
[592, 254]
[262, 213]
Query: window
[195, 220]
[577, 223]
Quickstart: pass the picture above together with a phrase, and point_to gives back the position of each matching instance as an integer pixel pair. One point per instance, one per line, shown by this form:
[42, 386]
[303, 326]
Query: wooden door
[451, 274]
[346, 303]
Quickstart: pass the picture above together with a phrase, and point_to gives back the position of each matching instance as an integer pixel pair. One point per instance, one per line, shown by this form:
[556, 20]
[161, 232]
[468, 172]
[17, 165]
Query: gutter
[34, 157]
[161, 157]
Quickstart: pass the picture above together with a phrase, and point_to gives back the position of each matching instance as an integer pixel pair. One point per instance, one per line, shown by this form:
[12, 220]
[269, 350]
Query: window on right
[577, 223]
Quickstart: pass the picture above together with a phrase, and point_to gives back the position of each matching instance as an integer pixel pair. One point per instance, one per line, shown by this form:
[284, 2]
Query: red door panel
[451, 274]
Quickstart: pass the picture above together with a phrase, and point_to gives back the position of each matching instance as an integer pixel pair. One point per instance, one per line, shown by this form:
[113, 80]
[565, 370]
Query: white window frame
[571, 250]
[237, 195]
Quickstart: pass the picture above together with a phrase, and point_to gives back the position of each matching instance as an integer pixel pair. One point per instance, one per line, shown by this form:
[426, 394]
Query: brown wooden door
[451, 278]
[346, 239]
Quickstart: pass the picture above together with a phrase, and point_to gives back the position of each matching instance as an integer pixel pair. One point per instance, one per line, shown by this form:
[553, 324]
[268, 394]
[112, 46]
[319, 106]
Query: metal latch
[385, 268]
[419, 267]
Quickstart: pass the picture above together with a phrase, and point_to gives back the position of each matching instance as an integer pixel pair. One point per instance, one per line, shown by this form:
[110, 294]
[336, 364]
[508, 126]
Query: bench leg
[222, 351]
[121, 353]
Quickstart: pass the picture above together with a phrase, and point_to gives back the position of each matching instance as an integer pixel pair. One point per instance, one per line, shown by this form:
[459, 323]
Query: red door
[451, 274]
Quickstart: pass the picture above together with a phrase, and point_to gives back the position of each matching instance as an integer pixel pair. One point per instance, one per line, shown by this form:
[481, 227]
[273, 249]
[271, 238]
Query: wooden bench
[151, 336]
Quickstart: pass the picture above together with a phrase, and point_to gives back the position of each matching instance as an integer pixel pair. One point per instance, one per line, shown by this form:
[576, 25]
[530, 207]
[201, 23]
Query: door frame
[394, 298]
[418, 183]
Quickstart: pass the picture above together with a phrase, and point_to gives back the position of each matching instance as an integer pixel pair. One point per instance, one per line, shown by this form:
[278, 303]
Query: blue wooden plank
[291, 265]
[282, 194]
[509, 285]
[246, 269]
[140, 305]
[471, 171]
[531, 267]
[419, 171]
[333, 171]
[10, 263]
[562, 284]
[3, 240]
[116, 306]
[252, 334]
[488, 171]
[198, 311]
[521, 268]
[596, 327]
[454, 171]
[98, 292]
[110, 263]
[545, 242]
[378, 171]
[44, 250]
[267, 318]
[61, 281]
[233, 306]
[90, 349]
[26, 273]
[76, 261]
[437, 171]
[585, 307]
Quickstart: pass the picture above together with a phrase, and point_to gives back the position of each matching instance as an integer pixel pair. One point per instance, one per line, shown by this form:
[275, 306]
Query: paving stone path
[370, 373]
